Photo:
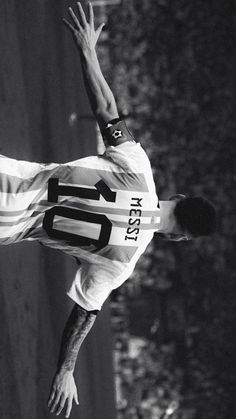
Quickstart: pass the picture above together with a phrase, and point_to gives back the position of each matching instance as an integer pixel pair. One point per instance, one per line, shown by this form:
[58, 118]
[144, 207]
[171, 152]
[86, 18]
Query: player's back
[86, 205]
[103, 201]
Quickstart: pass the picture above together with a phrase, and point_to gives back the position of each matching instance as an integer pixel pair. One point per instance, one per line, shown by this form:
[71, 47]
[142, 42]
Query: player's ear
[177, 197]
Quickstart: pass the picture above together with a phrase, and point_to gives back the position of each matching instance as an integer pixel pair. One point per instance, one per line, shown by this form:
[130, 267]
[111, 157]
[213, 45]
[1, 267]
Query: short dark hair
[196, 216]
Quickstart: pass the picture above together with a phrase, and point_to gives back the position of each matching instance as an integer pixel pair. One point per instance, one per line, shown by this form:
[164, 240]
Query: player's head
[194, 216]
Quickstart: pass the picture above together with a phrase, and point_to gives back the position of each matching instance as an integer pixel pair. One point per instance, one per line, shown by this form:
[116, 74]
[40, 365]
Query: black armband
[116, 132]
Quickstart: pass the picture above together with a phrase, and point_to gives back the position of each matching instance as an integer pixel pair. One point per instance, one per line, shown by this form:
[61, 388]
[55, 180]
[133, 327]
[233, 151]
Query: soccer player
[103, 210]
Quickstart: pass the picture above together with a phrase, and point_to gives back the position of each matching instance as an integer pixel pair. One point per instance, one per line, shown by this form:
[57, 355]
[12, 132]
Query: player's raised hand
[63, 392]
[83, 31]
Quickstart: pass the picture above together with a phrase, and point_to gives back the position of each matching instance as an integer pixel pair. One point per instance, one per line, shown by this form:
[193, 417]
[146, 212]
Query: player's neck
[167, 218]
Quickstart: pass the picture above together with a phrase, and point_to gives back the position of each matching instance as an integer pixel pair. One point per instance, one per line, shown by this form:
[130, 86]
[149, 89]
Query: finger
[74, 18]
[71, 28]
[82, 14]
[99, 29]
[52, 395]
[56, 400]
[76, 398]
[61, 405]
[69, 407]
[91, 14]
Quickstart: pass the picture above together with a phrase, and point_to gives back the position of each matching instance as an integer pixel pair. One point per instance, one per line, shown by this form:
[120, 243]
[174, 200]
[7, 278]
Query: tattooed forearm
[76, 329]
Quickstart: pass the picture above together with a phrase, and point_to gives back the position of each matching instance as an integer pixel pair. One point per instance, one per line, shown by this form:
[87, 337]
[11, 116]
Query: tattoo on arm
[77, 327]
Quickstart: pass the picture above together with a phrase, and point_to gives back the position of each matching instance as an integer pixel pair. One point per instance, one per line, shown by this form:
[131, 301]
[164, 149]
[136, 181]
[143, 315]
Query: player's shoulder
[128, 156]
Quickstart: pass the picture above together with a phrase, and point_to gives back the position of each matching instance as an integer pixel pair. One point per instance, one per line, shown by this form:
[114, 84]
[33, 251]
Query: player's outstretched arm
[99, 93]
[63, 390]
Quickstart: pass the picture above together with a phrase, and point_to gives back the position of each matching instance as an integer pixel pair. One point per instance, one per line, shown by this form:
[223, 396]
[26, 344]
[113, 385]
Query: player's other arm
[99, 93]
[63, 389]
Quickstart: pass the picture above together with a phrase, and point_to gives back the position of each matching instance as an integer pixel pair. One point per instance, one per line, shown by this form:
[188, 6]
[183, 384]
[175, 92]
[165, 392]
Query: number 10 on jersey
[55, 190]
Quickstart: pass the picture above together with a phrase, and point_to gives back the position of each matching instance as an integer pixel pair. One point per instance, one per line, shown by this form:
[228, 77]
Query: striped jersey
[103, 210]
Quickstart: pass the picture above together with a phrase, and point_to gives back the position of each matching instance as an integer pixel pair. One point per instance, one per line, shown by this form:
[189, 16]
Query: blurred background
[164, 344]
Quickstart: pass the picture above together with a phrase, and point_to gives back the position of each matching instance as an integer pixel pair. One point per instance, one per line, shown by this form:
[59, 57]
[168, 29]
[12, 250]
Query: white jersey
[103, 210]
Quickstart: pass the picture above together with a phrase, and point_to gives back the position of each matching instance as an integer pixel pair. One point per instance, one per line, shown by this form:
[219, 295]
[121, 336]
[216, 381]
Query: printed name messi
[135, 219]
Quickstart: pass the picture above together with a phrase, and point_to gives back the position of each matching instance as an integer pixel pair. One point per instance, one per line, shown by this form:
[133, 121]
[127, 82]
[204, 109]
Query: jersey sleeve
[116, 133]
[92, 284]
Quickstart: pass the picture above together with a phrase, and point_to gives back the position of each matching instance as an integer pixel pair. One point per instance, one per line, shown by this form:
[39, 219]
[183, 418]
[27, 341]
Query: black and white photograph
[117, 209]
